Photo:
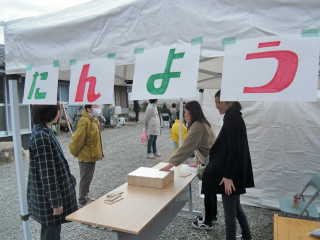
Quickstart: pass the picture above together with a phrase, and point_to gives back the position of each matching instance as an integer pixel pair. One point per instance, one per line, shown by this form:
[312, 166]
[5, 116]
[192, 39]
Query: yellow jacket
[175, 133]
[86, 141]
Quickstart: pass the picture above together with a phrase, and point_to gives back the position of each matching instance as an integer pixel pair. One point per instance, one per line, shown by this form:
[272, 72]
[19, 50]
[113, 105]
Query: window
[63, 91]
[2, 79]
[24, 110]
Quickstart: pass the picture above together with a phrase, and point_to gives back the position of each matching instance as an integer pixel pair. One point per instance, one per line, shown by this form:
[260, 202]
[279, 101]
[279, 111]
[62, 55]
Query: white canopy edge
[94, 29]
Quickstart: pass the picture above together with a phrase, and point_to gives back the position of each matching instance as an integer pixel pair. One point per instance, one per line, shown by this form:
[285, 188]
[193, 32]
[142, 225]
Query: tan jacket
[86, 144]
[200, 139]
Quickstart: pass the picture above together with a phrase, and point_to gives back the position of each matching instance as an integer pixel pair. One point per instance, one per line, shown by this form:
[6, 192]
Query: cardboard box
[150, 177]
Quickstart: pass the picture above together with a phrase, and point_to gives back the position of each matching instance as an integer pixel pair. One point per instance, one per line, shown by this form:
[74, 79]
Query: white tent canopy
[94, 29]
[99, 27]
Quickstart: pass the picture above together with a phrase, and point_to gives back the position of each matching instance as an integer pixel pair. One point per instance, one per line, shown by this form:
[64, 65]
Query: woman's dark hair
[174, 105]
[87, 106]
[236, 104]
[152, 100]
[196, 113]
[44, 113]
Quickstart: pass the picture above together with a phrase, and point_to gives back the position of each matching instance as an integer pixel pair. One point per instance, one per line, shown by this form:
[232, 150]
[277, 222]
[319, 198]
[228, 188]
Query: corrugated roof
[2, 53]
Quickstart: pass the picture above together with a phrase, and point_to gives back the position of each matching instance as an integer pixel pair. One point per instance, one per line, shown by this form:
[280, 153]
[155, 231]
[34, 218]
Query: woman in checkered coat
[51, 191]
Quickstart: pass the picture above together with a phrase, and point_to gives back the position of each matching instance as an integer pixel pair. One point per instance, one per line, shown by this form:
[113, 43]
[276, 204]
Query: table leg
[114, 235]
[190, 210]
[155, 228]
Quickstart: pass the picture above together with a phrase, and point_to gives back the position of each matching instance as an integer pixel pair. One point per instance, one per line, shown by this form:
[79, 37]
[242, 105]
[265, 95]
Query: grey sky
[16, 9]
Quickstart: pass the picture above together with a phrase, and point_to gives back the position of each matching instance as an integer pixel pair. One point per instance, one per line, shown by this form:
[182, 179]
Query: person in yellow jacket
[175, 131]
[87, 147]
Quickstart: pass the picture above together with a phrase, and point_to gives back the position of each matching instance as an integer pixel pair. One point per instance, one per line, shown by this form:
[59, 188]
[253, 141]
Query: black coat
[229, 157]
[166, 110]
[136, 106]
[50, 182]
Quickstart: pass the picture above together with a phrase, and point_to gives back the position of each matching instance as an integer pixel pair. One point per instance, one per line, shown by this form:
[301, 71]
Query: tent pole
[15, 121]
[180, 121]
[201, 96]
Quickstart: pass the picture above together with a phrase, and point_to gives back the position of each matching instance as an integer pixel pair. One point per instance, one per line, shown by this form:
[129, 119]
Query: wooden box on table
[150, 177]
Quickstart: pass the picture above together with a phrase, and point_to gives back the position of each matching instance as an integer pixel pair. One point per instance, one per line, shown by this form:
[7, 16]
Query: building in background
[24, 110]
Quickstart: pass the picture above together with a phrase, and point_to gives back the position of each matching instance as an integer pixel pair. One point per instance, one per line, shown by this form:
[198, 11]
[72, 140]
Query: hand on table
[228, 185]
[58, 210]
[193, 165]
[166, 168]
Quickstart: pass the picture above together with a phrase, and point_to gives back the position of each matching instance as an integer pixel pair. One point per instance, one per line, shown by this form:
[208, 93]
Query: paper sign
[281, 68]
[41, 85]
[168, 72]
[91, 82]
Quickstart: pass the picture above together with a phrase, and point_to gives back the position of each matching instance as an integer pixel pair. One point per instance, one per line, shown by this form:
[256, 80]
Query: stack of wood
[113, 197]
[150, 177]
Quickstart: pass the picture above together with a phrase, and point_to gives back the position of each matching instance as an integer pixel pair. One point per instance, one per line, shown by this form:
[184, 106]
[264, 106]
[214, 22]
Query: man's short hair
[44, 113]
[178, 114]
[87, 106]
[164, 104]
[174, 105]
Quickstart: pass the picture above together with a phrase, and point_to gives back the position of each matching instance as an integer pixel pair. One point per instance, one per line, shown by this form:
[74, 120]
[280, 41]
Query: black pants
[137, 116]
[210, 207]
[86, 175]
[50, 232]
[232, 211]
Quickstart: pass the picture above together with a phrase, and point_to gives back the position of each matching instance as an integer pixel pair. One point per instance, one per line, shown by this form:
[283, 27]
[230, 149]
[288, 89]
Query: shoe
[90, 200]
[202, 225]
[200, 219]
[81, 205]
[157, 154]
[239, 237]
[138, 122]
[150, 155]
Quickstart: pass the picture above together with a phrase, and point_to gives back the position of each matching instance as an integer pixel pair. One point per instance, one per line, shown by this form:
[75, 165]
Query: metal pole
[201, 96]
[14, 112]
[180, 121]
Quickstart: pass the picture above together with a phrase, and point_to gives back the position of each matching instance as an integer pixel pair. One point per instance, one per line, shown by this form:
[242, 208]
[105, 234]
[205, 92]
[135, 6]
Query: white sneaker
[157, 154]
[239, 237]
[150, 155]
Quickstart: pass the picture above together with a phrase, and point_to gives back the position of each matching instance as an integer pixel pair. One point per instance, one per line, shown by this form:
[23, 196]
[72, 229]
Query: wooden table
[144, 212]
[293, 228]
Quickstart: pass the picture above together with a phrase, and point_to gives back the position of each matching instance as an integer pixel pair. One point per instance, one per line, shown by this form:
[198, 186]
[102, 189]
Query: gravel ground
[123, 154]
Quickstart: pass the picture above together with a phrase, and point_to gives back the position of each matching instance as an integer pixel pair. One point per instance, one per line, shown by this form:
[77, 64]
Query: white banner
[41, 85]
[168, 72]
[280, 68]
[91, 82]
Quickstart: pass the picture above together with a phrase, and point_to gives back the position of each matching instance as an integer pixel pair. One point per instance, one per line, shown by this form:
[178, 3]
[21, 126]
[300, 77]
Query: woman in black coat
[51, 190]
[136, 108]
[229, 171]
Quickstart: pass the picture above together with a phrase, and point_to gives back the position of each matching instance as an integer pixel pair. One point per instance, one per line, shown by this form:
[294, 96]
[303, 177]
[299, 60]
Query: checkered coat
[49, 181]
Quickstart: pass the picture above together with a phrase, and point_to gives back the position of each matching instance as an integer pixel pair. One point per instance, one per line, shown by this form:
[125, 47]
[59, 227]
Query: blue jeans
[50, 232]
[152, 142]
[232, 210]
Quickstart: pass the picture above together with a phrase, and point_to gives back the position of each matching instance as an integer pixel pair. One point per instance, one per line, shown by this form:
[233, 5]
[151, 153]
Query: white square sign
[280, 68]
[41, 85]
[92, 82]
[167, 72]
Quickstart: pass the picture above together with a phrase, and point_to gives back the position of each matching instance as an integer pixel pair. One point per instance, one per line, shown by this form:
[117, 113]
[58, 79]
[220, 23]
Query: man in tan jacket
[87, 147]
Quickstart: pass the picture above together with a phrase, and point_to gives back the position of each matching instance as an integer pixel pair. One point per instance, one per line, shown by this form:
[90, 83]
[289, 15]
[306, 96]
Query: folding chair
[165, 122]
[304, 208]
